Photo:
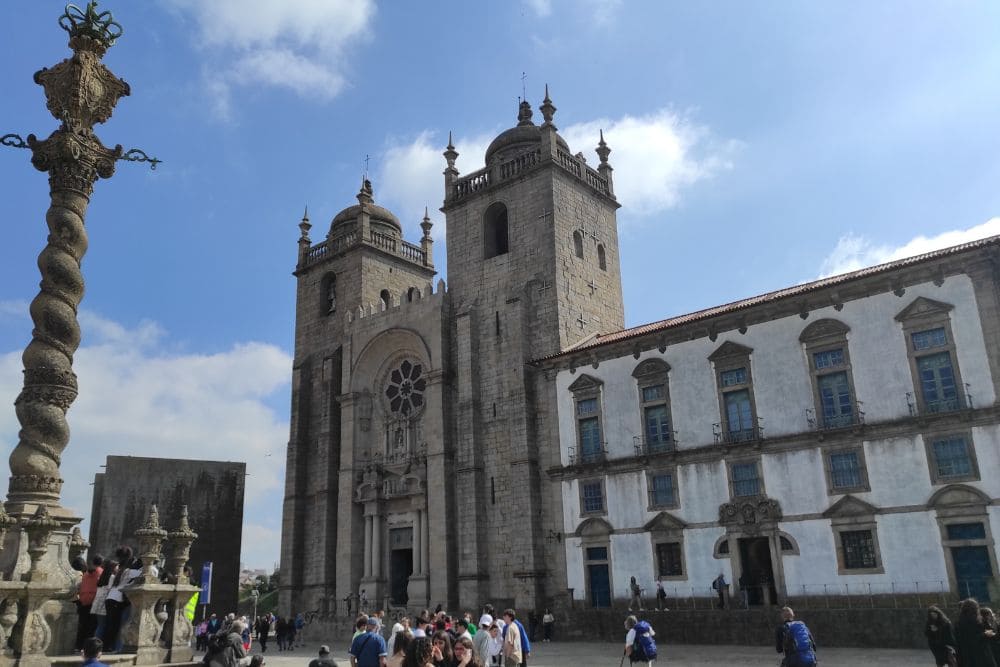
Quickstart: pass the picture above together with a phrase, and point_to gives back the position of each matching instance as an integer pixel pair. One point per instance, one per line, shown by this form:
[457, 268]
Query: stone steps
[115, 659]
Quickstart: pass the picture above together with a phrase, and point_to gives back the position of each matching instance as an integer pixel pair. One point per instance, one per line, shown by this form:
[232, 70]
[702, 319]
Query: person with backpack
[225, 648]
[640, 647]
[794, 640]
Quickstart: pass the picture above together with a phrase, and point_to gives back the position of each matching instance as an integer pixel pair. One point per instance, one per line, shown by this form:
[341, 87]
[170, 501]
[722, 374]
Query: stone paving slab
[592, 654]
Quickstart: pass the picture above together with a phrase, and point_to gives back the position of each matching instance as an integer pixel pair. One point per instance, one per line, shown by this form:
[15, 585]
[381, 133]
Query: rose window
[405, 389]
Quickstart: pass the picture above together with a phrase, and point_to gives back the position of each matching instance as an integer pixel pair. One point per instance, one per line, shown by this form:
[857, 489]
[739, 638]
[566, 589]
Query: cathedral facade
[413, 470]
[506, 439]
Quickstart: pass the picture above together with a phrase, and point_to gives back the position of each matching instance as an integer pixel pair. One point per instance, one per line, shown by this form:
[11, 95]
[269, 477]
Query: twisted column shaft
[49, 382]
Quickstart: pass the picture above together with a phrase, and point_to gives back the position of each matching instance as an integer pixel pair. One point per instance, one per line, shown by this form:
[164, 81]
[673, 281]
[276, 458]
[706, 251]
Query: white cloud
[654, 156]
[854, 252]
[597, 11]
[294, 44]
[285, 68]
[138, 399]
[541, 8]
[411, 178]
[604, 11]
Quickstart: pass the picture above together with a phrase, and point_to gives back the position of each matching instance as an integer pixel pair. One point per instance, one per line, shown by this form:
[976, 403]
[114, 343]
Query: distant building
[213, 492]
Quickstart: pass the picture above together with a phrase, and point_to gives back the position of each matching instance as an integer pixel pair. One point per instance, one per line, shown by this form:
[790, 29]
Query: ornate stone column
[180, 631]
[141, 634]
[80, 92]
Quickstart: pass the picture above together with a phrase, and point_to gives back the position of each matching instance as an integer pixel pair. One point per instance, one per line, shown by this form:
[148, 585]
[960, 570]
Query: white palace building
[837, 437]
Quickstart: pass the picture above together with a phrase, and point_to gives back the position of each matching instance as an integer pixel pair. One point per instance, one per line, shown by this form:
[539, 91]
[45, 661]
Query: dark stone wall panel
[213, 492]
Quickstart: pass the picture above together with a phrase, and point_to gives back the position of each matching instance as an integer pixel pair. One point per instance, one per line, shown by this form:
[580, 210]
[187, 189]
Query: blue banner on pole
[206, 584]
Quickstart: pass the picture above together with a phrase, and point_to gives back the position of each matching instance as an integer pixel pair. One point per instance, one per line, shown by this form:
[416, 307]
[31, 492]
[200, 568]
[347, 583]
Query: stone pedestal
[181, 635]
[43, 624]
[141, 633]
[417, 592]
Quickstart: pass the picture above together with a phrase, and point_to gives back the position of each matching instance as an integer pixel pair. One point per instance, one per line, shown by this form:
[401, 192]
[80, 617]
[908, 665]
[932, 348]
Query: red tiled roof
[797, 290]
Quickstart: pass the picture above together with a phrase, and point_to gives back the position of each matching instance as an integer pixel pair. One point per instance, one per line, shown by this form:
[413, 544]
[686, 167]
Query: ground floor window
[859, 549]
[668, 560]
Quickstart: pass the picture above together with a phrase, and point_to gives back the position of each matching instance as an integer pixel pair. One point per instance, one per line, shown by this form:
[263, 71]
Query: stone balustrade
[386, 242]
[520, 164]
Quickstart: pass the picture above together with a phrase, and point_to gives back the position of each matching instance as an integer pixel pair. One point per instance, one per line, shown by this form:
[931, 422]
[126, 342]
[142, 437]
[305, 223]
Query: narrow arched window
[384, 296]
[495, 231]
[578, 243]
[409, 294]
[601, 260]
[328, 295]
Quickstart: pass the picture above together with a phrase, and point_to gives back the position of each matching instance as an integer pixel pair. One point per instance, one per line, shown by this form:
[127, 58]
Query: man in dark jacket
[229, 653]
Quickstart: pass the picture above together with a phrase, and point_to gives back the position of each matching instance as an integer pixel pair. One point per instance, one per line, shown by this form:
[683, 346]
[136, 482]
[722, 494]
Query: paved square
[594, 654]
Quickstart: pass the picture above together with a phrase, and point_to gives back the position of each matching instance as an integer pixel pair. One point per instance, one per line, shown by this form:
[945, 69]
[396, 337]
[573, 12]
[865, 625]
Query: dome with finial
[522, 136]
[382, 219]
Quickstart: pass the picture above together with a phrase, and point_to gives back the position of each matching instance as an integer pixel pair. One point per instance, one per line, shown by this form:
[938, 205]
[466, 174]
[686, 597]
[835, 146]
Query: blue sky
[755, 145]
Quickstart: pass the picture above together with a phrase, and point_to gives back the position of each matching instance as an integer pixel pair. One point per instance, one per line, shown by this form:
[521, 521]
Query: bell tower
[533, 268]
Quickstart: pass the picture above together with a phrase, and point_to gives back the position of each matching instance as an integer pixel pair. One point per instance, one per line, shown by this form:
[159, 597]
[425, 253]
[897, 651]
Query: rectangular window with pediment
[855, 533]
[589, 431]
[829, 360]
[669, 561]
[859, 549]
[734, 380]
[654, 405]
[930, 347]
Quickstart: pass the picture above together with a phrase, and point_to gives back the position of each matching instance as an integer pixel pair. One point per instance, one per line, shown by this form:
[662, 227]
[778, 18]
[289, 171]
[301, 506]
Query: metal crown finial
[88, 23]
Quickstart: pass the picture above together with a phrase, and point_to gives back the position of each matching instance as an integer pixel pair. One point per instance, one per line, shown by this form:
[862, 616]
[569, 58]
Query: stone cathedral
[413, 471]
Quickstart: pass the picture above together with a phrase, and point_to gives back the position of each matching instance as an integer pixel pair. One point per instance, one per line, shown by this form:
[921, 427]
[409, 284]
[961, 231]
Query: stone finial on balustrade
[6, 523]
[304, 241]
[150, 538]
[77, 545]
[304, 227]
[548, 110]
[605, 168]
[426, 242]
[180, 540]
[39, 528]
[450, 155]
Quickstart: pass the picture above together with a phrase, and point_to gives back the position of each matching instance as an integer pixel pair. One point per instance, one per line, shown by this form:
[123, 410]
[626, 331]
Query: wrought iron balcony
[727, 436]
[577, 457]
[645, 446]
[828, 422]
[941, 405]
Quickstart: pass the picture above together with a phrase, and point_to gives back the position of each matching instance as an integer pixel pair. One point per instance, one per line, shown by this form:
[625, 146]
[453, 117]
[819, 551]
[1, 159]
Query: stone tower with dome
[419, 431]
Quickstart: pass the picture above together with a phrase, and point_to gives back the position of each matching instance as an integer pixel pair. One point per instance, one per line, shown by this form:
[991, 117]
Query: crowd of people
[439, 640]
[102, 605]
[972, 641]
